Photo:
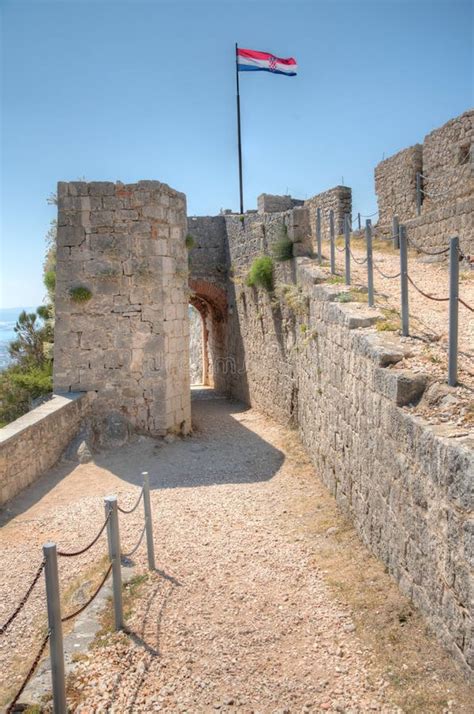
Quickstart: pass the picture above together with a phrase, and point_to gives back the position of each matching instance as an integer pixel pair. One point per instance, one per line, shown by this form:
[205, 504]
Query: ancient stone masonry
[122, 301]
[268, 203]
[33, 443]
[208, 259]
[395, 184]
[305, 359]
[445, 162]
[337, 199]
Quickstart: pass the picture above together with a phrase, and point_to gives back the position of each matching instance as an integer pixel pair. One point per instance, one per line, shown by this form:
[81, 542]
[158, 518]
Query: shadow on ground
[221, 450]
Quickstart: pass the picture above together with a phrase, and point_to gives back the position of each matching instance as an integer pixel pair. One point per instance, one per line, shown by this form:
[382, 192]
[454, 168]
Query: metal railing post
[404, 279]
[418, 194]
[358, 221]
[148, 521]
[113, 536]
[331, 239]
[318, 233]
[347, 244]
[396, 242]
[370, 267]
[453, 311]
[55, 627]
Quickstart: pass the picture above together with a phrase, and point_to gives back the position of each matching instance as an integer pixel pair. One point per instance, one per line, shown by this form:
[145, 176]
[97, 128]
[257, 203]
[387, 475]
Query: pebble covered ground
[428, 342]
[264, 599]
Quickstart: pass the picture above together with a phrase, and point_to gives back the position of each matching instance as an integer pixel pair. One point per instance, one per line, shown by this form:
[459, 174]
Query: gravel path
[264, 600]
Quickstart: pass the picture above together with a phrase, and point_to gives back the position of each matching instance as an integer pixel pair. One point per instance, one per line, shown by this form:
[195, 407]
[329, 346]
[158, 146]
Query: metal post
[418, 194]
[453, 311]
[239, 133]
[55, 628]
[331, 239]
[370, 268]
[358, 221]
[318, 233]
[113, 536]
[148, 521]
[347, 243]
[396, 243]
[404, 279]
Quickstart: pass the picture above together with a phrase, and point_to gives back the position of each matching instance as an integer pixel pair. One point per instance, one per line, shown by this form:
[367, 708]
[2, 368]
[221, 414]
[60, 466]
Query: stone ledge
[33, 443]
[400, 386]
[35, 416]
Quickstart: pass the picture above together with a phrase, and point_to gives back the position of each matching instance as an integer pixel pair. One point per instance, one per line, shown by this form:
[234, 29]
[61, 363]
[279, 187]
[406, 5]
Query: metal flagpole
[238, 133]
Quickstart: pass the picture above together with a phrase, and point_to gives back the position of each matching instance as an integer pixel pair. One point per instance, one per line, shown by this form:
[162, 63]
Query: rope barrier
[427, 252]
[369, 215]
[384, 275]
[83, 607]
[11, 707]
[466, 305]
[124, 510]
[341, 250]
[87, 547]
[430, 297]
[134, 550]
[23, 600]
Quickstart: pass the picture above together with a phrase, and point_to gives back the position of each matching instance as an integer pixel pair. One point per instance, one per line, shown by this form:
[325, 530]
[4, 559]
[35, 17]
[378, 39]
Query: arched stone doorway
[210, 301]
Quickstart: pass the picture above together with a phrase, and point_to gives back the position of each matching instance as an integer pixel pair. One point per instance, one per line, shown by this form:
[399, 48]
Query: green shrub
[19, 386]
[49, 280]
[283, 248]
[261, 273]
[189, 242]
[80, 294]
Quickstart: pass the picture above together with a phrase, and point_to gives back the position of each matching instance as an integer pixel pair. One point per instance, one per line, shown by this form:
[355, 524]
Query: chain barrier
[23, 600]
[359, 262]
[12, 705]
[384, 275]
[430, 297]
[134, 550]
[64, 554]
[465, 304]
[124, 510]
[427, 252]
[83, 607]
[436, 195]
[341, 250]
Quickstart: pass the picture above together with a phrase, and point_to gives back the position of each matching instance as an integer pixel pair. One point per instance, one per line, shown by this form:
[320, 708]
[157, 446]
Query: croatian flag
[254, 61]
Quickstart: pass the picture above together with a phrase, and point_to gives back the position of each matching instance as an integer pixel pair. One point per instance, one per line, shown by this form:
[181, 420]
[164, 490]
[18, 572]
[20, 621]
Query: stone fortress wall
[124, 246]
[322, 366]
[445, 161]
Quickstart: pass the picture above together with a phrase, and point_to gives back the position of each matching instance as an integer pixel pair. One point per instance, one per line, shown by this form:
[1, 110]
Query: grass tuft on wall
[261, 273]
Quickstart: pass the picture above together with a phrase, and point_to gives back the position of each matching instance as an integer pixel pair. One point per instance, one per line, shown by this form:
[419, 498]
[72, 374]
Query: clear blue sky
[130, 89]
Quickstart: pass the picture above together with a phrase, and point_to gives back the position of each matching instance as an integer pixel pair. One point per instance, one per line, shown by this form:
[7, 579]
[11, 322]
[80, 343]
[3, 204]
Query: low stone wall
[308, 360]
[337, 199]
[33, 443]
